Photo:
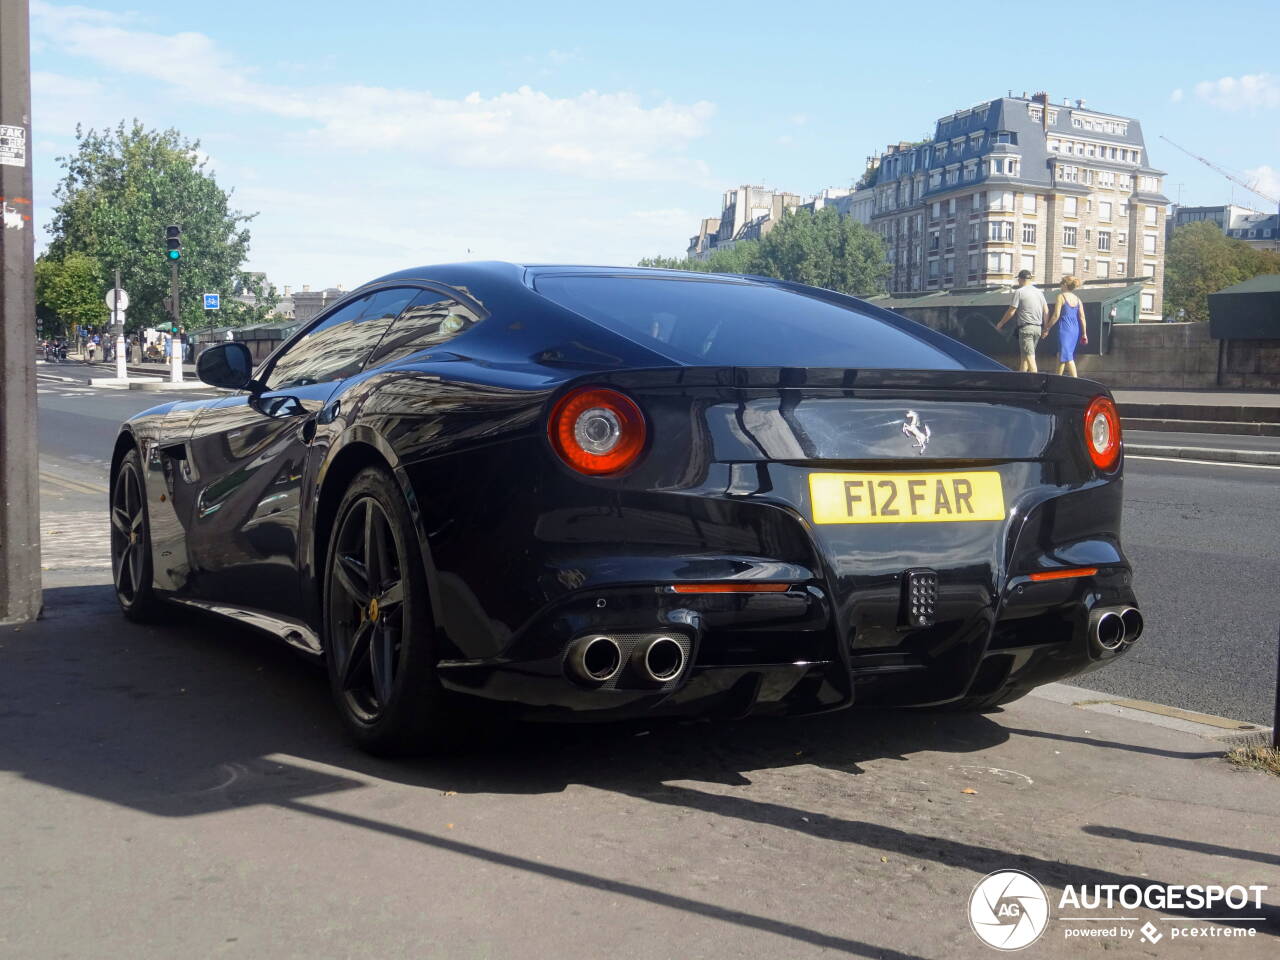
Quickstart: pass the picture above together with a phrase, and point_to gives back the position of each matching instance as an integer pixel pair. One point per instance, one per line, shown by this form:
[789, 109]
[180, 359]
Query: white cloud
[799, 119]
[1265, 178]
[1176, 96]
[593, 134]
[1251, 91]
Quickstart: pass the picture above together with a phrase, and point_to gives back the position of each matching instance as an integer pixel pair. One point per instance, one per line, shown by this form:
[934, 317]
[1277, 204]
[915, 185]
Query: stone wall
[1175, 356]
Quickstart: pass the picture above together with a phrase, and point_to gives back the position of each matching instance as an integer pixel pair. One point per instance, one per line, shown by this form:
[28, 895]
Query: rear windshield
[741, 324]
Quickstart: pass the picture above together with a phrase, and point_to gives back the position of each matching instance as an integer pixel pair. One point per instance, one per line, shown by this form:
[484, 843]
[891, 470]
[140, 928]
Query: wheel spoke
[351, 577]
[135, 564]
[357, 656]
[122, 566]
[380, 657]
[373, 547]
[392, 595]
[120, 520]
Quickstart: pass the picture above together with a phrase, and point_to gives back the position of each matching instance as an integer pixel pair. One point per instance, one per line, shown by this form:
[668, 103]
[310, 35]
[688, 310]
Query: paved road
[1217, 441]
[1204, 540]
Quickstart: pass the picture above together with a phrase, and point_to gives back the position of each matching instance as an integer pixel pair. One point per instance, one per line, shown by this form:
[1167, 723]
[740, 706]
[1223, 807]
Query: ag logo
[1008, 910]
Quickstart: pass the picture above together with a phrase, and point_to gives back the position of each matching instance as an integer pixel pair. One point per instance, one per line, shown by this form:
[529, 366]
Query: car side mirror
[227, 365]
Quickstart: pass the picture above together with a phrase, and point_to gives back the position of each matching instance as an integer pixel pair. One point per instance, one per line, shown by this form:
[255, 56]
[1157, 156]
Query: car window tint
[338, 347]
[431, 320]
[741, 324]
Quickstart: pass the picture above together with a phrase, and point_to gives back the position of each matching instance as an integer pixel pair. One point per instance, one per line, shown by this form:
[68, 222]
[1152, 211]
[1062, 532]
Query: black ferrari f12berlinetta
[563, 491]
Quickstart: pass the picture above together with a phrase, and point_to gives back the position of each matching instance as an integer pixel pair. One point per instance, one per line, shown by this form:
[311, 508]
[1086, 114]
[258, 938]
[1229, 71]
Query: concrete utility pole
[175, 348]
[20, 593]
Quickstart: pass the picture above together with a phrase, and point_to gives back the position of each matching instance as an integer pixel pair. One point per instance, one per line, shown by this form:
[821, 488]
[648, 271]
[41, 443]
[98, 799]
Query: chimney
[1079, 103]
[306, 288]
[1066, 101]
[1042, 98]
[288, 290]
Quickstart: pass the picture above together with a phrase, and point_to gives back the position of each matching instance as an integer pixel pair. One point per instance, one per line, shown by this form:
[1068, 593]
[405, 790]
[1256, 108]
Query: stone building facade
[1021, 183]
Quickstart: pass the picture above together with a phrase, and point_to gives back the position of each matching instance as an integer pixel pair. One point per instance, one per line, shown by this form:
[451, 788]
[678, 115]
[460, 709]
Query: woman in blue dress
[1068, 314]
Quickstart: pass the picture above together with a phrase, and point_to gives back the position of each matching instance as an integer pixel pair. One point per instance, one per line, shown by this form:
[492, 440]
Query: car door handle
[309, 430]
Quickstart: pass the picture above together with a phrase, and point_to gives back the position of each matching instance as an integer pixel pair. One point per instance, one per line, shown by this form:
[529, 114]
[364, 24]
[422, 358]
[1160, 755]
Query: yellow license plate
[906, 497]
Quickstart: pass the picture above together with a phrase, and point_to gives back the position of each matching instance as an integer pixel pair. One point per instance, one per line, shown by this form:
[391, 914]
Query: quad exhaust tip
[1106, 628]
[595, 659]
[1111, 627]
[1132, 620]
[659, 660]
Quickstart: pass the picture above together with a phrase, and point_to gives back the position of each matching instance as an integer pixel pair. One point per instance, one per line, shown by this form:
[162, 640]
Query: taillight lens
[1102, 433]
[597, 431]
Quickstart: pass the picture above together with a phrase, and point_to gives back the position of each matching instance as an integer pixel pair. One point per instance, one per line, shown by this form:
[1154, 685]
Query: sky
[369, 137]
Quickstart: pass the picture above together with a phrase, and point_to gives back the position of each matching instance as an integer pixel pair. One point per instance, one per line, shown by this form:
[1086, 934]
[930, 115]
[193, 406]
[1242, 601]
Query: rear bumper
[784, 653]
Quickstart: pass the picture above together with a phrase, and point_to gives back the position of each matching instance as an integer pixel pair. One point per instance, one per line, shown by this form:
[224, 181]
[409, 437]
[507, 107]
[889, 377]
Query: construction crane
[1230, 176]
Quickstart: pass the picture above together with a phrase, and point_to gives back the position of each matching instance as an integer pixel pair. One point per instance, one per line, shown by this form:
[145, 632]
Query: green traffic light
[175, 254]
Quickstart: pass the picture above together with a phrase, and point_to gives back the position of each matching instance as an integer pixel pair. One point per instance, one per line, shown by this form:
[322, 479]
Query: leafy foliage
[121, 188]
[1201, 260]
[823, 249]
[69, 292]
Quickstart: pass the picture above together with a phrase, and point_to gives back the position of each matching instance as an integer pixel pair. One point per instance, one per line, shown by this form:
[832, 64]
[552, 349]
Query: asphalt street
[1203, 540]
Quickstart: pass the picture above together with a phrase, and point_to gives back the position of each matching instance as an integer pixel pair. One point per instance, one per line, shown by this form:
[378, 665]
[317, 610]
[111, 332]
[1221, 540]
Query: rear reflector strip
[731, 587]
[1064, 574]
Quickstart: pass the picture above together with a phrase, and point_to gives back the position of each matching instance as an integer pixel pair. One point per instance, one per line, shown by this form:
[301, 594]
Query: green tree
[1201, 260]
[824, 249]
[121, 188]
[68, 292]
[738, 258]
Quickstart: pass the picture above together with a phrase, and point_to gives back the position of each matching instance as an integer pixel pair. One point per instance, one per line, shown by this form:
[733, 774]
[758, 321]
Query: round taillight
[597, 431]
[1102, 433]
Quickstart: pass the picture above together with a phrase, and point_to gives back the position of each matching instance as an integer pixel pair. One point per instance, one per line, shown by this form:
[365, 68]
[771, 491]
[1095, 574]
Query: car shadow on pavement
[196, 716]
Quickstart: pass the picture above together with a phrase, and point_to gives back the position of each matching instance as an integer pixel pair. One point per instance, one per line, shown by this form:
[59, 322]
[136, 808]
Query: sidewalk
[147, 769]
[1224, 427]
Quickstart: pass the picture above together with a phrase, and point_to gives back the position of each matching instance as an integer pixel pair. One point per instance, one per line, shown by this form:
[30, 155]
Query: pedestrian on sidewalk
[91, 348]
[1030, 308]
[1068, 314]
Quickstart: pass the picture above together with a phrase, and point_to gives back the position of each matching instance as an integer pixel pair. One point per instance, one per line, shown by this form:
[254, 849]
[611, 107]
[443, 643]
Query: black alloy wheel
[377, 625]
[131, 542]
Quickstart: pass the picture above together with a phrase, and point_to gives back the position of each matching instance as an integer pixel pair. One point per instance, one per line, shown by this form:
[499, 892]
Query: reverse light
[597, 431]
[1102, 433]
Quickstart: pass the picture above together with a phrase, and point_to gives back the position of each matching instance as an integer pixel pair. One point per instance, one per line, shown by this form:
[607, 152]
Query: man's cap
[1024, 274]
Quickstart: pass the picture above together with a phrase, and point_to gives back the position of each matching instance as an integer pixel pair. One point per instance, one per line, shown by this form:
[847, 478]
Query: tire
[378, 639]
[131, 569]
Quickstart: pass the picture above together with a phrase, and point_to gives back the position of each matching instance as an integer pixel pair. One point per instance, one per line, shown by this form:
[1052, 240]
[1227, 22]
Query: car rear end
[732, 538]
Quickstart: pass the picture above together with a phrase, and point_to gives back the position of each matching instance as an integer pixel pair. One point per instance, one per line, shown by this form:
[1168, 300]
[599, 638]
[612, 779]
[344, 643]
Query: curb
[1221, 730]
[1270, 458]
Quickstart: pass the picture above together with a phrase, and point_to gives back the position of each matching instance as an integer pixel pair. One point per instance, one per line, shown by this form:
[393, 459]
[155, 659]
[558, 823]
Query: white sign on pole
[110, 298]
[13, 146]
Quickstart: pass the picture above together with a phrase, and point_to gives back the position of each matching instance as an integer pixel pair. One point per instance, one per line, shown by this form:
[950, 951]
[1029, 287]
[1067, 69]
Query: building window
[1028, 203]
[973, 263]
[1069, 206]
[953, 175]
[1028, 262]
[1106, 178]
[1068, 265]
[948, 267]
[999, 263]
[1104, 269]
[1000, 230]
[977, 201]
[1148, 302]
[1067, 173]
[998, 165]
[950, 240]
[1068, 236]
[1149, 270]
[971, 170]
[933, 239]
[951, 207]
[1085, 269]
[933, 269]
[1104, 210]
[935, 211]
[1002, 200]
[975, 232]
[1028, 233]
[1149, 216]
[1121, 238]
[1149, 243]
[1104, 240]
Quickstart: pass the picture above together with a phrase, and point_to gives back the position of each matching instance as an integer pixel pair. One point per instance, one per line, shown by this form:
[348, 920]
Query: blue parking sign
[212, 301]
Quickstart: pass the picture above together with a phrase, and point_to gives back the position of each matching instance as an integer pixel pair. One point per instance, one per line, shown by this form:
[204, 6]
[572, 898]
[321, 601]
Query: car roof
[490, 271]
